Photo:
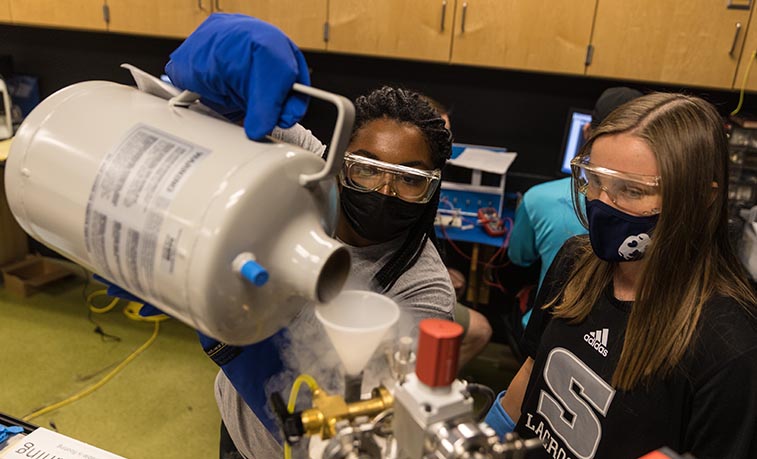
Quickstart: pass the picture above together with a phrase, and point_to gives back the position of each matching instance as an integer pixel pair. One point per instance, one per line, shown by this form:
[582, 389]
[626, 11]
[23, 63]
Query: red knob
[438, 351]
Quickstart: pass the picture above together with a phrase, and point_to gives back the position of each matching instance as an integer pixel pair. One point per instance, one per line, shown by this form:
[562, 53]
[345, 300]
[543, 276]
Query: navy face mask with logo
[615, 235]
[378, 217]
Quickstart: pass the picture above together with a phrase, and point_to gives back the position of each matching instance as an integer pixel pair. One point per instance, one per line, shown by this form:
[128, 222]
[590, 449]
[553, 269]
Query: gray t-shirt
[423, 291]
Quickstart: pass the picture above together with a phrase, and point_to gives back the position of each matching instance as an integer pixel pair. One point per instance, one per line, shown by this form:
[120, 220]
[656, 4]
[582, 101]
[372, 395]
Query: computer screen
[574, 139]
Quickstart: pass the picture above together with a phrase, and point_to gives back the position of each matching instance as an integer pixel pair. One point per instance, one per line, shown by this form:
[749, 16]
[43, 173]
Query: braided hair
[411, 108]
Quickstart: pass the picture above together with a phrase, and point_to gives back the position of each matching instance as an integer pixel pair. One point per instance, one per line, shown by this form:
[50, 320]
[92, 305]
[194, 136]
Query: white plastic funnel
[356, 322]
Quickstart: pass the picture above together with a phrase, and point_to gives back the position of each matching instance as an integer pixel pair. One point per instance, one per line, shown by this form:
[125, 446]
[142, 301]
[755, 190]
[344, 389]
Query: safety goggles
[634, 193]
[407, 183]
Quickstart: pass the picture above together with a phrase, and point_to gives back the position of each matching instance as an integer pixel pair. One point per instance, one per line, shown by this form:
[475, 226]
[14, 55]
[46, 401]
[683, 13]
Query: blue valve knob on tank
[248, 268]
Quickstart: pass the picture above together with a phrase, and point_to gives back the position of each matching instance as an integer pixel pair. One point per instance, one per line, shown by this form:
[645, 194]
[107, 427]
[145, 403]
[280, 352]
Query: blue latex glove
[498, 419]
[242, 65]
[248, 367]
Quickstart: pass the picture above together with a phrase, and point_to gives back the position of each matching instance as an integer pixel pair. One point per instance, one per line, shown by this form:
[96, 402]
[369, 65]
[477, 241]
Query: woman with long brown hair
[644, 334]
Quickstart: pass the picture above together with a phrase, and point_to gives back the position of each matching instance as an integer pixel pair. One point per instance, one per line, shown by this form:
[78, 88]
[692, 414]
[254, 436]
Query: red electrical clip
[493, 225]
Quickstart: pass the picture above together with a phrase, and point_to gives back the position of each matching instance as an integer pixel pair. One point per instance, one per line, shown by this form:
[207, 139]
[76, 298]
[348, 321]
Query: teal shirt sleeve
[522, 248]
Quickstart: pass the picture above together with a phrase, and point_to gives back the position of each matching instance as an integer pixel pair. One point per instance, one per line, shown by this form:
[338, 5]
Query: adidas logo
[598, 340]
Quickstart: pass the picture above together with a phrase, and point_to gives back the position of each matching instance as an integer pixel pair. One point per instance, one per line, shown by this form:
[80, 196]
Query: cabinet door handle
[739, 6]
[218, 5]
[735, 39]
[462, 19]
[199, 5]
[444, 13]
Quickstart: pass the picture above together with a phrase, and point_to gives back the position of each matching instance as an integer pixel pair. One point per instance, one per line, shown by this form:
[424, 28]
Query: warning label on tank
[135, 184]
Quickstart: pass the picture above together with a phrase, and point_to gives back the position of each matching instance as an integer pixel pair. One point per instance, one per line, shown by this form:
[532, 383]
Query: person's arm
[249, 368]
[723, 421]
[505, 412]
[425, 290]
[513, 398]
[298, 135]
[522, 249]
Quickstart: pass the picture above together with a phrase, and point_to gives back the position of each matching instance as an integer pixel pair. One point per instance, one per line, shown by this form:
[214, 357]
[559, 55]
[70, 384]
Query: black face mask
[378, 217]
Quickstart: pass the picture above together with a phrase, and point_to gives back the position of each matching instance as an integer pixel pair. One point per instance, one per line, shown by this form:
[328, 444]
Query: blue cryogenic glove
[248, 367]
[242, 65]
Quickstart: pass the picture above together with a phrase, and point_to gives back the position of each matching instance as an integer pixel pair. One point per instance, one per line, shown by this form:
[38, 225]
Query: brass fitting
[329, 409]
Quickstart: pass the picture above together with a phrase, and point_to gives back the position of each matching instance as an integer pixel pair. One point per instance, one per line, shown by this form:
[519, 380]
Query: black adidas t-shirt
[707, 406]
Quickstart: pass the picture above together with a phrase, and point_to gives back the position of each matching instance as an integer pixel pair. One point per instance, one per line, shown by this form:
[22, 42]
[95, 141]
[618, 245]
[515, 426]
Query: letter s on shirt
[580, 429]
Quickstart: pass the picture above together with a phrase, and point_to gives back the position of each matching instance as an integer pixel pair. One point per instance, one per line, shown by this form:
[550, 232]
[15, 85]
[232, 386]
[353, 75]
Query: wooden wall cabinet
[76, 14]
[693, 42]
[417, 29]
[538, 35]
[750, 46]
[167, 18]
[690, 43]
[5, 11]
[303, 22]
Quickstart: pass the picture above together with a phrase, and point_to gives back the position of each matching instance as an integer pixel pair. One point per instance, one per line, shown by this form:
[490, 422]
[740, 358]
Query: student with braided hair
[389, 193]
[382, 203]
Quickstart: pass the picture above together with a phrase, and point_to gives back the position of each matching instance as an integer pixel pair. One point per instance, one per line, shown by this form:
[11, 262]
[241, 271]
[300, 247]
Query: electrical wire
[491, 269]
[101, 382]
[488, 266]
[131, 310]
[498, 253]
[445, 201]
[743, 84]
[104, 309]
[495, 282]
[106, 337]
[313, 385]
[454, 246]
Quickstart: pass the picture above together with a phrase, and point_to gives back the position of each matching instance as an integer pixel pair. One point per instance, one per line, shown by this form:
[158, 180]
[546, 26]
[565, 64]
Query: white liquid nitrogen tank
[228, 235]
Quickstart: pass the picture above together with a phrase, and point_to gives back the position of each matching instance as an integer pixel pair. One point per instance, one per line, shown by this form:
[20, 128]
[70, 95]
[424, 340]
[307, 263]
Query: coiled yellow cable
[131, 310]
[101, 382]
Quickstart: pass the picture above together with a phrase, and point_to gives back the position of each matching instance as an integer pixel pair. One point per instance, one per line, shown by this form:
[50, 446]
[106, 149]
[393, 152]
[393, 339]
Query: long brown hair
[690, 258]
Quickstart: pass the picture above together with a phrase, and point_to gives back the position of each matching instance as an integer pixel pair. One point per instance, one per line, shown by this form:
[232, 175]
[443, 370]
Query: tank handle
[345, 119]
